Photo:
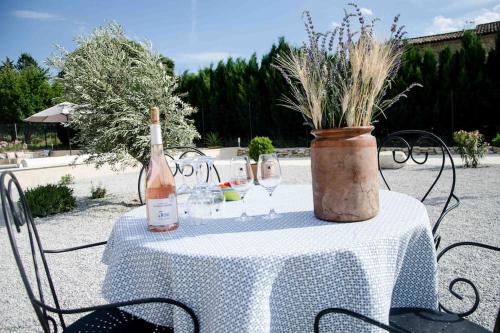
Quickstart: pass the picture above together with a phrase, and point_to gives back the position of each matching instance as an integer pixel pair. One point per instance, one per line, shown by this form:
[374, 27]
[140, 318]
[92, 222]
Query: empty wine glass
[197, 164]
[216, 193]
[199, 206]
[218, 199]
[269, 176]
[241, 180]
[182, 164]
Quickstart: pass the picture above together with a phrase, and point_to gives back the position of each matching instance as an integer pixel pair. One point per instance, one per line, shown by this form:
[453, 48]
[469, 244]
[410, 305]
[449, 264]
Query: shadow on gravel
[86, 204]
[83, 205]
[437, 201]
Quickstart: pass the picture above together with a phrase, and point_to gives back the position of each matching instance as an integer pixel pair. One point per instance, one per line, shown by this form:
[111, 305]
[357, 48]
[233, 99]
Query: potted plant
[213, 140]
[338, 81]
[257, 146]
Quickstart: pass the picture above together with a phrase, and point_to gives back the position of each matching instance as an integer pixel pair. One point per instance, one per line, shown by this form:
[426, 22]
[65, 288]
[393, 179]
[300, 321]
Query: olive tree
[115, 81]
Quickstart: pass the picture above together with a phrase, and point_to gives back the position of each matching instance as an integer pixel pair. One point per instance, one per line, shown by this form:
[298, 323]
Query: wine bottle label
[155, 134]
[162, 211]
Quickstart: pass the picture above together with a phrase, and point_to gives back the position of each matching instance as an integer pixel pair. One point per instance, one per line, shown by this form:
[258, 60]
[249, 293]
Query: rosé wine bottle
[161, 199]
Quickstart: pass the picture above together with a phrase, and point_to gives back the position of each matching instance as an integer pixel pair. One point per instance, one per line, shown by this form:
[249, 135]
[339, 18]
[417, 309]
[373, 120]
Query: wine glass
[218, 199]
[241, 180]
[216, 193]
[269, 176]
[199, 206]
[181, 165]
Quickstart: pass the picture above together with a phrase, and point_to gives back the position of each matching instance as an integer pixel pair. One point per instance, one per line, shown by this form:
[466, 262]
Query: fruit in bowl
[229, 193]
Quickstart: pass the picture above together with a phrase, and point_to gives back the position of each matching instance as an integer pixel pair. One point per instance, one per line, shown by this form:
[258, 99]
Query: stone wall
[487, 40]
[298, 152]
[283, 152]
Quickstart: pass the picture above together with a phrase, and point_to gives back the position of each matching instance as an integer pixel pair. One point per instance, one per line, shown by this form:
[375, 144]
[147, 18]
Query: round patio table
[276, 275]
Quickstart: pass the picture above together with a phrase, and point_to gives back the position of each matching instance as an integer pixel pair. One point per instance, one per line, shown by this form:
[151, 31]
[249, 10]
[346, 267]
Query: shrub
[50, 199]
[97, 192]
[471, 147]
[258, 146]
[115, 80]
[213, 140]
[496, 140]
[66, 180]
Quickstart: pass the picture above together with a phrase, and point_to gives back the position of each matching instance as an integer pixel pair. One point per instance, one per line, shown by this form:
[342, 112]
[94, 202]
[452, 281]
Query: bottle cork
[155, 115]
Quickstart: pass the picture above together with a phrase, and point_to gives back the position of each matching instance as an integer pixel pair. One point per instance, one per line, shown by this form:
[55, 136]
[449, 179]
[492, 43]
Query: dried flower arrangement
[340, 78]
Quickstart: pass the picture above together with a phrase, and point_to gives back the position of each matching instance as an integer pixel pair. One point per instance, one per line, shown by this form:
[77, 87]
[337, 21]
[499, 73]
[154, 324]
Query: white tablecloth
[276, 275]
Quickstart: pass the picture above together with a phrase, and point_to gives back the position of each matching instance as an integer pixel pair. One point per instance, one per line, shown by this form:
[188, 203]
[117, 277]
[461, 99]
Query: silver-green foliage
[116, 80]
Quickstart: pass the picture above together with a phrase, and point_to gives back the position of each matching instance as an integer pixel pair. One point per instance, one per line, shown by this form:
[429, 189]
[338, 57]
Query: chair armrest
[184, 307]
[357, 316]
[75, 248]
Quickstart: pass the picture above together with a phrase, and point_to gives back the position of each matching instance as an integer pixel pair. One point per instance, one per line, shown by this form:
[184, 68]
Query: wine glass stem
[243, 205]
[272, 212]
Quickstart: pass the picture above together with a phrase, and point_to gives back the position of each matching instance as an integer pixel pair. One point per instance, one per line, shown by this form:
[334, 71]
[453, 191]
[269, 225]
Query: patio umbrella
[56, 114]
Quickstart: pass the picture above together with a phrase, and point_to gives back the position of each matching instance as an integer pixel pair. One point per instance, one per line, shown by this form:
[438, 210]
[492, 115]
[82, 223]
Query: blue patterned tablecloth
[276, 275]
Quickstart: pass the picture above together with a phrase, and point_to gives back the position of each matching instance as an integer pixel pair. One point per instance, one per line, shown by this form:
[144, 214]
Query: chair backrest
[17, 216]
[407, 141]
[170, 152]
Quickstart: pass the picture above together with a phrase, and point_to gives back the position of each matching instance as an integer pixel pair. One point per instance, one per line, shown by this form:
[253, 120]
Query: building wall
[488, 42]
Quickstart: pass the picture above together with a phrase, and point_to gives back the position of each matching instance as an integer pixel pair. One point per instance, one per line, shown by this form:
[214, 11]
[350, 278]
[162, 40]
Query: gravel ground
[78, 275]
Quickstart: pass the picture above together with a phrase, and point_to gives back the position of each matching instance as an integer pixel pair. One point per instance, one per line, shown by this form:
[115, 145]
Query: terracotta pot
[345, 174]
[254, 171]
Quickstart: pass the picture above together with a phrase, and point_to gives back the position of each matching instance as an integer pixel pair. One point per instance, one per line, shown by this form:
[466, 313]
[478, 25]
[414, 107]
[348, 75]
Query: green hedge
[496, 141]
[45, 200]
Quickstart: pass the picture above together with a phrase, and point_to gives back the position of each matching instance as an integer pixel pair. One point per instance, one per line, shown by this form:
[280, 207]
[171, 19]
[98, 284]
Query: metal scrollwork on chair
[402, 138]
[468, 282]
[100, 318]
[169, 155]
[416, 320]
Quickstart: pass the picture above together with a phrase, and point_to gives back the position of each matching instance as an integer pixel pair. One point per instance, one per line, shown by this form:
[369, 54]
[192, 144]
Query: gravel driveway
[78, 275]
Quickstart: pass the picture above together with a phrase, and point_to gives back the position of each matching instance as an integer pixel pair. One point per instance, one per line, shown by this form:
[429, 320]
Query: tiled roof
[487, 28]
[481, 29]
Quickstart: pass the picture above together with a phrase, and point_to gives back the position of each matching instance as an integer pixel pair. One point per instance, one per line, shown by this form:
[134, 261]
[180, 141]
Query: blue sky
[197, 32]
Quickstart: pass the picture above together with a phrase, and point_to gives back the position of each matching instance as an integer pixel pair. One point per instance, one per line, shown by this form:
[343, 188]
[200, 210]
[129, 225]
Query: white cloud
[335, 24]
[203, 57]
[366, 11]
[486, 15]
[449, 5]
[442, 24]
[34, 15]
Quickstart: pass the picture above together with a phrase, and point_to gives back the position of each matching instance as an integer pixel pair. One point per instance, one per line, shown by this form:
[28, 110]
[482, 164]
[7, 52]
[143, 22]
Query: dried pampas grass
[370, 64]
[338, 81]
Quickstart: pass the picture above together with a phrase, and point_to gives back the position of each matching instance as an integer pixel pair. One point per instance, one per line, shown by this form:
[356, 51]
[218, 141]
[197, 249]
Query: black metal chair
[406, 141]
[186, 152]
[414, 320]
[100, 318]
